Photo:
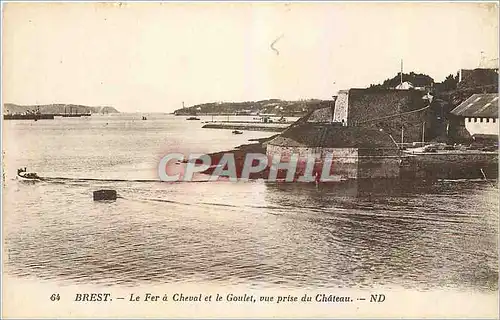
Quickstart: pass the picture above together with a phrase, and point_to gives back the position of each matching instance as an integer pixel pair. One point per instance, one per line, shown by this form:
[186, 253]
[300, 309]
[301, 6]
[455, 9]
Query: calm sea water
[358, 235]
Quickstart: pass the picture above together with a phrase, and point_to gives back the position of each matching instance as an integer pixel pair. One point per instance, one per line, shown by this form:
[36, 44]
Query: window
[481, 120]
[487, 119]
[475, 119]
[468, 119]
[494, 120]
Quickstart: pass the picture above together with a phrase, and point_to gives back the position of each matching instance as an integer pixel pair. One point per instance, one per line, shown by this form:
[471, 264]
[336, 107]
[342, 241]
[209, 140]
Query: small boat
[22, 174]
[193, 118]
[282, 120]
[237, 132]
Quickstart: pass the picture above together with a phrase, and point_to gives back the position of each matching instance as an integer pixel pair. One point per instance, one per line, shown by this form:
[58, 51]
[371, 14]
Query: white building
[480, 113]
[407, 85]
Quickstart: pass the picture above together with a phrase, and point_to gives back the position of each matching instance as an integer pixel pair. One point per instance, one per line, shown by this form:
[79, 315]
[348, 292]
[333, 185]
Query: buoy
[104, 195]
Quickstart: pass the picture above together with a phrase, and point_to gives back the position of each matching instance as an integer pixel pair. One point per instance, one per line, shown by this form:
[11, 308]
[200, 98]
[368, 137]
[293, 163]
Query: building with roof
[356, 152]
[479, 113]
[407, 85]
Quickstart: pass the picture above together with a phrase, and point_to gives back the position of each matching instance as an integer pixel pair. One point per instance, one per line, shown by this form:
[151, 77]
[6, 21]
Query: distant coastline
[60, 108]
[249, 108]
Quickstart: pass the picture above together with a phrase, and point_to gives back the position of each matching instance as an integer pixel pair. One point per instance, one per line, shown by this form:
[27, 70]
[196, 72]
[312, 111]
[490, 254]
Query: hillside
[10, 108]
[417, 79]
[270, 106]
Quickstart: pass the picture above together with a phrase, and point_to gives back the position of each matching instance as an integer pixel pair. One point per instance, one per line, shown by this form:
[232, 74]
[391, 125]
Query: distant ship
[37, 115]
[193, 118]
[34, 114]
[73, 115]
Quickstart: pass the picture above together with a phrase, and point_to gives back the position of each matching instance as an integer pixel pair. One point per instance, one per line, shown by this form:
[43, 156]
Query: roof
[478, 105]
[405, 85]
[332, 136]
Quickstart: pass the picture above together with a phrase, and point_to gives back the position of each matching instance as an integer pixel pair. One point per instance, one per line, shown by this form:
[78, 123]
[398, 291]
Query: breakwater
[251, 122]
[272, 127]
[376, 165]
[451, 165]
[28, 116]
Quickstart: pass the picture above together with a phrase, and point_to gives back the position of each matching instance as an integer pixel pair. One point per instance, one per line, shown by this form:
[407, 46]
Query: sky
[152, 57]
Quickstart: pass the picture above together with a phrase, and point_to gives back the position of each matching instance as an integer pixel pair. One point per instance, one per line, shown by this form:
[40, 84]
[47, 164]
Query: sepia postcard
[250, 160]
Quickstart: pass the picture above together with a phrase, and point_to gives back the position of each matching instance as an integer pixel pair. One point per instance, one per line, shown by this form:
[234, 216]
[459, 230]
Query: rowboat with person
[22, 174]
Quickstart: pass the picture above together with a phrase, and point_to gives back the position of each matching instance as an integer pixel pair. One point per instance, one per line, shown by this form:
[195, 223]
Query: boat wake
[68, 179]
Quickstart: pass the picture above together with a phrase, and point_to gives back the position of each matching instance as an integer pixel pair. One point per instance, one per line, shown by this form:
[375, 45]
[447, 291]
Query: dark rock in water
[104, 195]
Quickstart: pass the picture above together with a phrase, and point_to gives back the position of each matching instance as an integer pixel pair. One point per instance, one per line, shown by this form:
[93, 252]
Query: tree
[417, 79]
[450, 83]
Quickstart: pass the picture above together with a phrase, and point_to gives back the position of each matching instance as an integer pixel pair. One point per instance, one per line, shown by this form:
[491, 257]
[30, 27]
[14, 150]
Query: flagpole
[401, 73]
